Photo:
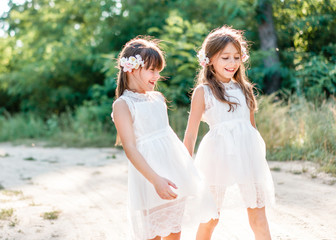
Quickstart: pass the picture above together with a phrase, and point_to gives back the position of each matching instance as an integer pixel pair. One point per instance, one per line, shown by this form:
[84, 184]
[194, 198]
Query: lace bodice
[217, 111]
[148, 111]
[142, 97]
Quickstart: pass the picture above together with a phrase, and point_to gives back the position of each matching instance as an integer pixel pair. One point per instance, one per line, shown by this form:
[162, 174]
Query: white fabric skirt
[151, 216]
[232, 157]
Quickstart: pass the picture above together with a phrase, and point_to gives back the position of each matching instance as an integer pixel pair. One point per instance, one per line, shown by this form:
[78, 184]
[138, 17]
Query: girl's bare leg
[205, 230]
[173, 236]
[156, 238]
[258, 223]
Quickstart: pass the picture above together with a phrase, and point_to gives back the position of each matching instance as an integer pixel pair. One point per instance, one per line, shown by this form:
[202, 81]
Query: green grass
[51, 215]
[6, 214]
[299, 130]
[113, 156]
[13, 222]
[79, 129]
[11, 193]
[178, 119]
[276, 169]
[21, 126]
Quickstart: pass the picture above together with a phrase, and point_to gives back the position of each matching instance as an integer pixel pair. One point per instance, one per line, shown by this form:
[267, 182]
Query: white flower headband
[244, 54]
[204, 60]
[131, 63]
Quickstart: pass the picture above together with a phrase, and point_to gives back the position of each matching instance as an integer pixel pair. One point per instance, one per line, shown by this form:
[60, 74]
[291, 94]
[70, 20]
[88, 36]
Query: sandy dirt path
[72, 194]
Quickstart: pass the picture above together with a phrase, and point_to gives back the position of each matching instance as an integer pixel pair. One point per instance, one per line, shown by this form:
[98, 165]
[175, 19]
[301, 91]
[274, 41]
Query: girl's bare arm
[252, 119]
[196, 110]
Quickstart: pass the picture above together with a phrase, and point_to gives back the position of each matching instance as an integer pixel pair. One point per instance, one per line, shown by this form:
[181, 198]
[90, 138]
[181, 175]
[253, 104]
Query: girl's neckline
[229, 82]
[137, 94]
[231, 85]
[127, 90]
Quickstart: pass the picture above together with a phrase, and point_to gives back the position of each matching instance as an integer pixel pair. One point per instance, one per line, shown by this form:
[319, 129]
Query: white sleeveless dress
[149, 215]
[232, 155]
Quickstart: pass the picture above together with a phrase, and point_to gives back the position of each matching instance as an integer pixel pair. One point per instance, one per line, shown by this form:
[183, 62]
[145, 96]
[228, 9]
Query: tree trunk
[268, 40]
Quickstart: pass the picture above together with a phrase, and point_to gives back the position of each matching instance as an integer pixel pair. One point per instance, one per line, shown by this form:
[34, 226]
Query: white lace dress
[232, 154]
[150, 215]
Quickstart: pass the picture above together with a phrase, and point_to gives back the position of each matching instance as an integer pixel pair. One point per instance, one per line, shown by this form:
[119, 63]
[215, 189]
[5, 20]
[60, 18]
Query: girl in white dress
[162, 178]
[232, 154]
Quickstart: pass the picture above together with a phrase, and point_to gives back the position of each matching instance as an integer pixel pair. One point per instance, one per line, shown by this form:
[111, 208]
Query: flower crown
[204, 60]
[131, 63]
[244, 54]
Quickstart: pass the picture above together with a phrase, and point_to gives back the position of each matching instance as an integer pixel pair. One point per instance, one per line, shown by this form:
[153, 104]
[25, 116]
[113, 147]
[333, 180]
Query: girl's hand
[162, 187]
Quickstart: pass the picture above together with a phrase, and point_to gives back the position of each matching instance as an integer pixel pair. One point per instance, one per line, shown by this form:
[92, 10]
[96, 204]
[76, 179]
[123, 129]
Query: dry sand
[85, 191]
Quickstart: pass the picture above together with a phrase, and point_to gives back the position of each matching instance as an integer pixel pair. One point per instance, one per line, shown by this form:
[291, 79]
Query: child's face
[226, 63]
[145, 79]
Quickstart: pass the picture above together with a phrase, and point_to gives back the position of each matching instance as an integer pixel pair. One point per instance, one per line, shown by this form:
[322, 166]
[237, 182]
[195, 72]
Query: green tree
[54, 60]
[268, 44]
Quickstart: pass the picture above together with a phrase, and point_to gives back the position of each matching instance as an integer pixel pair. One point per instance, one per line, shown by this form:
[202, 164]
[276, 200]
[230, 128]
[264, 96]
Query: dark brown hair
[150, 53]
[213, 44]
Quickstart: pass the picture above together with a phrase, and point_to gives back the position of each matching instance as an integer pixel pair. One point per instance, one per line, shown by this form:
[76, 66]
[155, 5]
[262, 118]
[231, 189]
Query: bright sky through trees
[4, 8]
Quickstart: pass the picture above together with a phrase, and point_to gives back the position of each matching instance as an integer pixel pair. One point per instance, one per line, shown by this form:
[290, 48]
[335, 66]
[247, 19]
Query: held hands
[162, 187]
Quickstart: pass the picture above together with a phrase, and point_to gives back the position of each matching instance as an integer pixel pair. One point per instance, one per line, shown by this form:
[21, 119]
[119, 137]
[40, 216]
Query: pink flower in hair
[245, 56]
[203, 59]
[128, 64]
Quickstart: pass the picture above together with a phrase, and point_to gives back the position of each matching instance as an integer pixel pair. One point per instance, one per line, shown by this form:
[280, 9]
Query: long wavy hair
[149, 51]
[215, 43]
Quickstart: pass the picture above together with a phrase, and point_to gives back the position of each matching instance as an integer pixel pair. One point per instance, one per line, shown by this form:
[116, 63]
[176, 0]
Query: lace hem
[165, 219]
[252, 196]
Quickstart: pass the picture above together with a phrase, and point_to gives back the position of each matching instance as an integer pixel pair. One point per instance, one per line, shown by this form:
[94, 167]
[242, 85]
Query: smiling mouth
[231, 70]
[153, 83]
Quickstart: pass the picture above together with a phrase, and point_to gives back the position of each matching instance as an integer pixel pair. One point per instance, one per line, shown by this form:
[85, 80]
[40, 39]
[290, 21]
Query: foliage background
[57, 67]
